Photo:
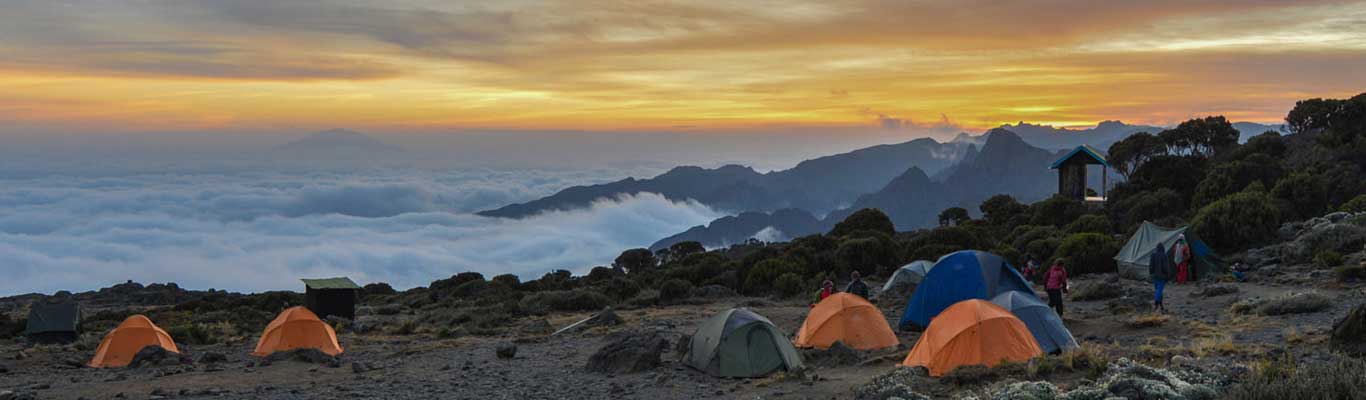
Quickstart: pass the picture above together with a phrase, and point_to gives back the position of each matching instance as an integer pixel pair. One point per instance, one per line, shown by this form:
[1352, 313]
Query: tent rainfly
[739, 343]
[331, 296]
[1133, 258]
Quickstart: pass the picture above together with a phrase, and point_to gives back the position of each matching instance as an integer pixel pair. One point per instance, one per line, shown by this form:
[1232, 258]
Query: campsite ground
[1198, 329]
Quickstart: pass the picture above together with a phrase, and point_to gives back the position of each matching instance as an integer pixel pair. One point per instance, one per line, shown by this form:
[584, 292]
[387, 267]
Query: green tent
[53, 323]
[739, 343]
[1133, 258]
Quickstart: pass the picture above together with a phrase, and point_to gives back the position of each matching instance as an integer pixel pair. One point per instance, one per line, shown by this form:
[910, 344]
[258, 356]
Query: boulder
[837, 355]
[152, 356]
[899, 383]
[1349, 333]
[211, 357]
[538, 327]
[628, 352]
[506, 350]
[606, 317]
[313, 356]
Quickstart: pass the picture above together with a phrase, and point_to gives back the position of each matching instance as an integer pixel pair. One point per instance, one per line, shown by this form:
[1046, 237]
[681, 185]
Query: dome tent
[846, 318]
[909, 275]
[961, 275]
[1133, 258]
[297, 328]
[972, 332]
[739, 343]
[1043, 323]
[123, 342]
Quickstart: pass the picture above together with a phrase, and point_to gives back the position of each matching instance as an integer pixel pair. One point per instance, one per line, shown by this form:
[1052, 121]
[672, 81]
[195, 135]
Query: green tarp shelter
[53, 323]
[1133, 258]
[331, 296]
[739, 343]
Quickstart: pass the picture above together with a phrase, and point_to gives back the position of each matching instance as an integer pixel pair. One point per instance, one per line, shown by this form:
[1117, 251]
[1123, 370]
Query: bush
[621, 288]
[1090, 223]
[198, 334]
[1056, 211]
[674, 290]
[635, 261]
[765, 273]
[564, 300]
[1328, 259]
[1282, 379]
[1086, 253]
[1307, 194]
[1348, 273]
[1099, 290]
[378, 289]
[789, 285]
[1292, 303]
[866, 219]
[866, 255]
[1147, 206]
[1355, 205]
[1238, 221]
[943, 240]
[509, 280]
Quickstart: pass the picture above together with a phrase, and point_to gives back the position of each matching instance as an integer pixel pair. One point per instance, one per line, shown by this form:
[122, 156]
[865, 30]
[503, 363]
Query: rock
[362, 367]
[21, 355]
[538, 327]
[606, 317]
[1218, 289]
[210, 357]
[339, 324]
[152, 356]
[506, 350]
[837, 355]
[628, 352]
[1027, 391]
[6, 395]
[302, 355]
[896, 384]
[1349, 333]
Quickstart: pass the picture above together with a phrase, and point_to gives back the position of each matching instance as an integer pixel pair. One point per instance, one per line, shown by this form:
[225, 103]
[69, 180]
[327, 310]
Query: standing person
[827, 290]
[1160, 271]
[1181, 257]
[1031, 268]
[1055, 282]
[856, 286]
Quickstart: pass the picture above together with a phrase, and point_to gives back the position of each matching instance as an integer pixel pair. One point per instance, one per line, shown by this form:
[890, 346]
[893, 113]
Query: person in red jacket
[827, 290]
[1055, 282]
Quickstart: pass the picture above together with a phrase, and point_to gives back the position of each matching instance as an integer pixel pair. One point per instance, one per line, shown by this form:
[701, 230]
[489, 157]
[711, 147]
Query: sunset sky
[419, 66]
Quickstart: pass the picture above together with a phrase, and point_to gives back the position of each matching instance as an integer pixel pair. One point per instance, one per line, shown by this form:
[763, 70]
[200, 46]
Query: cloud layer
[255, 231]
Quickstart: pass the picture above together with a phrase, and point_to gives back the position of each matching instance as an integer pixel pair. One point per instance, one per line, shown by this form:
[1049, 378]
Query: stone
[837, 355]
[506, 350]
[628, 352]
[1349, 333]
[210, 357]
[606, 317]
[152, 356]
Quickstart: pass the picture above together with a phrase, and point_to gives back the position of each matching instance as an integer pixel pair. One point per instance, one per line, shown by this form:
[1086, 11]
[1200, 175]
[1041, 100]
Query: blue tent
[1042, 322]
[961, 275]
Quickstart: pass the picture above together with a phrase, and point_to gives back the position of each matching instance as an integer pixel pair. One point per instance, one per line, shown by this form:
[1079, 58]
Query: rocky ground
[1200, 333]
[1216, 339]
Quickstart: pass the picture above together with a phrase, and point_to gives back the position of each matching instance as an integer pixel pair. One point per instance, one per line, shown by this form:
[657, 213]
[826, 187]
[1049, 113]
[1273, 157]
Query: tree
[1088, 253]
[1056, 211]
[1132, 152]
[1237, 222]
[635, 261]
[1000, 209]
[871, 219]
[1203, 137]
[953, 215]
[1306, 194]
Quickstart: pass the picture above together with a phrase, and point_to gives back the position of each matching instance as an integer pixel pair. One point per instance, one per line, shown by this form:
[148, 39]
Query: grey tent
[908, 275]
[1042, 322]
[53, 323]
[1133, 258]
[739, 343]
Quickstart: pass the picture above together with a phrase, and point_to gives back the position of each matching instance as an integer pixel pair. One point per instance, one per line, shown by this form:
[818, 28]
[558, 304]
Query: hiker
[827, 290]
[856, 286]
[1031, 268]
[1159, 271]
[1055, 282]
[1240, 271]
[1181, 256]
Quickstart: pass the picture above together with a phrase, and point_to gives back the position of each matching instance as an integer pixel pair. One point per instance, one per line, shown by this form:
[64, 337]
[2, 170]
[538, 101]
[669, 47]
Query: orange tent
[846, 318]
[297, 328]
[121, 344]
[972, 332]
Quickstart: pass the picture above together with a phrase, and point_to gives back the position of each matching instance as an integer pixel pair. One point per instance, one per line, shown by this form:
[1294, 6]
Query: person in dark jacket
[856, 286]
[1160, 270]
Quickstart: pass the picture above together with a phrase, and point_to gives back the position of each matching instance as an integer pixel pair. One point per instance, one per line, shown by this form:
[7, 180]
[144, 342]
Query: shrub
[378, 289]
[1099, 290]
[866, 255]
[564, 300]
[645, 298]
[1328, 259]
[789, 285]
[1292, 303]
[193, 333]
[1147, 206]
[1355, 205]
[1056, 211]
[937, 242]
[510, 280]
[674, 290]
[1086, 253]
[1238, 221]
[1089, 223]
[621, 288]
[1147, 320]
[1282, 379]
[635, 260]
[762, 276]
[1001, 208]
[1348, 273]
[442, 286]
[866, 219]
[1307, 194]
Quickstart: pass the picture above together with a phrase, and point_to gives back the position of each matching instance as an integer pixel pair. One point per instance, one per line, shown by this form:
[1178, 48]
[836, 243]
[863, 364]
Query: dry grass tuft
[1147, 320]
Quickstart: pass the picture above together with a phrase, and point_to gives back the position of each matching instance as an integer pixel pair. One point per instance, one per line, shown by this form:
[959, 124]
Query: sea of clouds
[256, 230]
